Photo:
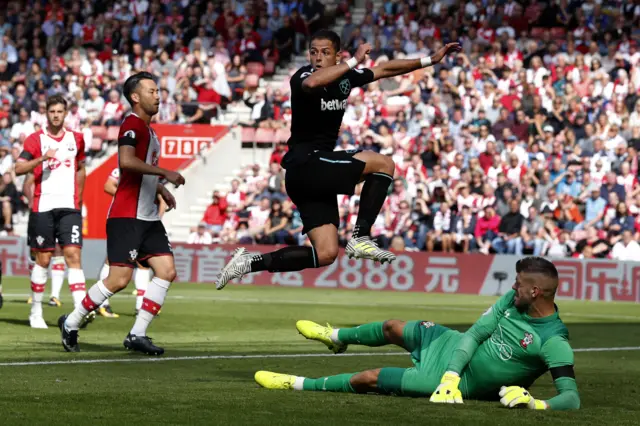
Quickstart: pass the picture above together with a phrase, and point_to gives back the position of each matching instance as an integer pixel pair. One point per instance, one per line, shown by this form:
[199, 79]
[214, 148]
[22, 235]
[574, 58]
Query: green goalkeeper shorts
[430, 346]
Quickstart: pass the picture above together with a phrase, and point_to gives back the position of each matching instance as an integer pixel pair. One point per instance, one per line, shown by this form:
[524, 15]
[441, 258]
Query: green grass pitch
[204, 379]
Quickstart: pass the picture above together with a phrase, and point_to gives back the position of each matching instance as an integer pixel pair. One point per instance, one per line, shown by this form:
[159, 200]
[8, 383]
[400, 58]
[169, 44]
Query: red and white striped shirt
[136, 193]
[56, 186]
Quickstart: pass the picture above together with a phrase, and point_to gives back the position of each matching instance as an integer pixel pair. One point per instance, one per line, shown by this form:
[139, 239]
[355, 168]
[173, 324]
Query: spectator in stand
[215, 215]
[620, 222]
[626, 249]
[94, 106]
[23, 128]
[487, 229]
[509, 230]
[200, 235]
[168, 110]
[11, 201]
[113, 110]
[275, 231]
[530, 237]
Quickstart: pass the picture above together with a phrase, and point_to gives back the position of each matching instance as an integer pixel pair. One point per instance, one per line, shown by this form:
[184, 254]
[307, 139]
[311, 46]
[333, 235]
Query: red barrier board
[179, 143]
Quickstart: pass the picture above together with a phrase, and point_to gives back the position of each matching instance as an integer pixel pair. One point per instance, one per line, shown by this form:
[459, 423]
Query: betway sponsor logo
[333, 105]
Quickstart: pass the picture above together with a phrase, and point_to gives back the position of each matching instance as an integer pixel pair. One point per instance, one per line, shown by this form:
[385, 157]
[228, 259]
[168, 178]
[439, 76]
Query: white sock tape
[426, 61]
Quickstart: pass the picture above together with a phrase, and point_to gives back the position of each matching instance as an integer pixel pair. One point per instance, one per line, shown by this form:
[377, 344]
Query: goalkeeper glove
[514, 396]
[447, 391]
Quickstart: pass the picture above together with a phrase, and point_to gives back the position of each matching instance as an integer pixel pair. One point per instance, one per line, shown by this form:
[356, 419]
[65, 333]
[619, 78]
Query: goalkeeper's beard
[521, 304]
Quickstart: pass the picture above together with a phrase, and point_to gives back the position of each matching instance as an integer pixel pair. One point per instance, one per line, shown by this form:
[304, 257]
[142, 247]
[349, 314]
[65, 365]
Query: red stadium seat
[99, 131]
[248, 134]
[96, 144]
[282, 135]
[251, 81]
[265, 136]
[558, 32]
[112, 133]
[537, 32]
[255, 68]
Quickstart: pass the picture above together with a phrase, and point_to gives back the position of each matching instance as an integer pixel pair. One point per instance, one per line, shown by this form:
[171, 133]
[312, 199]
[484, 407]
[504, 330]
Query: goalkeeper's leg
[364, 382]
[372, 334]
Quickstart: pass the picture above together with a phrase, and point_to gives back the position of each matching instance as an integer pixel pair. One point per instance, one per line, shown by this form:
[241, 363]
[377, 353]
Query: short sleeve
[130, 132]
[298, 78]
[360, 77]
[31, 149]
[115, 174]
[81, 156]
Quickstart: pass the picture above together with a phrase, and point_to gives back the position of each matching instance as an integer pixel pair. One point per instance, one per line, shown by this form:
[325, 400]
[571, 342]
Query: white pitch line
[426, 305]
[257, 356]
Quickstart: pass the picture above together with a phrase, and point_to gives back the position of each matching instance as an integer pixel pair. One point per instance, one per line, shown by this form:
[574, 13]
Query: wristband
[425, 62]
[352, 63]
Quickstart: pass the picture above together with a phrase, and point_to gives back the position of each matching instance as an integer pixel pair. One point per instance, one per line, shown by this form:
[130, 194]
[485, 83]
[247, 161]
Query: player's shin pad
[515, 396]
[447, 391]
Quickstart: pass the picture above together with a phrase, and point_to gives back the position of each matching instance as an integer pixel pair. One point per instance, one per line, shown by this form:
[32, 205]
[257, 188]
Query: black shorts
[315, 180]
[133, 240]
[63, 226]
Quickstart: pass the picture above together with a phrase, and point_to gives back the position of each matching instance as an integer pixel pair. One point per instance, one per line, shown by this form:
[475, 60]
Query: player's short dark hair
[332, 36]
[537, 265]
[57, 100]
[132, 84]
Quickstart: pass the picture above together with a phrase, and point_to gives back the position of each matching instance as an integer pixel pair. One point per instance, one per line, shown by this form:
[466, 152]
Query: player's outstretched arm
[130, 162]
[404, 66]
[448, 391]
[325, 76]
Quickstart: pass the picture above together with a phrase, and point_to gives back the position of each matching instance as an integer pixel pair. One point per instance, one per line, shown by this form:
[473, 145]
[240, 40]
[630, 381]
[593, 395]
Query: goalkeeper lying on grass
[514, 342]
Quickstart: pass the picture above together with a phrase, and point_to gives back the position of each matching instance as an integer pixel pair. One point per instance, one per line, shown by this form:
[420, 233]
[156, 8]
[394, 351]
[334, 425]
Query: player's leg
[156, 253]
[69, 233]
[57, 276]
[373, 334]
[105, 308]
[320, 217]
[378, 176]
[141, 278]
[43, 243]
[123, 241]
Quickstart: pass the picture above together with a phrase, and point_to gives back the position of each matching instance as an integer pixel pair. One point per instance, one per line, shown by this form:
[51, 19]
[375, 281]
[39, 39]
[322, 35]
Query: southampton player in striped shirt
[142, 275]
[56, 158]
[514, 342]
[134, 230]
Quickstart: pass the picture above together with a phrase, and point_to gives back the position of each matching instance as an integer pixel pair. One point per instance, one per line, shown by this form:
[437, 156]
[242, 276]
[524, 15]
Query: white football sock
[57, 275]
[141, 278]
[104, 272]
[97, 294]
[38, 283]
[77, 285]
[151, 305]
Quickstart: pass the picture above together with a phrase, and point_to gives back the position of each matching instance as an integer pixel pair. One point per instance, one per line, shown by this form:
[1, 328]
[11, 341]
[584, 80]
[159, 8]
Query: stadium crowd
[526, 142]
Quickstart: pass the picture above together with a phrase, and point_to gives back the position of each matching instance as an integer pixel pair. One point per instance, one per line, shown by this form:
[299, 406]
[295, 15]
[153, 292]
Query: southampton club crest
[528, 339]
[133, 254]
[345, 86]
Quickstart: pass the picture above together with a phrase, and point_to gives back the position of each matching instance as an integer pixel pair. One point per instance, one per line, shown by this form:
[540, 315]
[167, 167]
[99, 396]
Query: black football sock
[287, 259]
[374, 192]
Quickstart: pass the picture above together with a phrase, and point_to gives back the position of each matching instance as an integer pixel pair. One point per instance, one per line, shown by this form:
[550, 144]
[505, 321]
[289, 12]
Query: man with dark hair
[514, 342]
[316, 174]
[55, 157]
[134, 230]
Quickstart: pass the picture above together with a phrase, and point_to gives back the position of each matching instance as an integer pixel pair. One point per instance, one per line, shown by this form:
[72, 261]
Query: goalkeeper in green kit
[513, 343]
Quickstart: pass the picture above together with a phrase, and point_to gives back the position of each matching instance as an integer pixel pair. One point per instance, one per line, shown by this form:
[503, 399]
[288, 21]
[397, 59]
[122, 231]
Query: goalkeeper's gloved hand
[515, 396]
[447, 391]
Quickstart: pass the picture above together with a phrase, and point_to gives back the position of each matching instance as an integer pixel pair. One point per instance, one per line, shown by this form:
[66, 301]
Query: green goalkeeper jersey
[506, 347]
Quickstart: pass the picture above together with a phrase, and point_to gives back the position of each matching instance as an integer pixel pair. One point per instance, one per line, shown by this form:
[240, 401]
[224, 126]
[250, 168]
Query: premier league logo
[345, 86]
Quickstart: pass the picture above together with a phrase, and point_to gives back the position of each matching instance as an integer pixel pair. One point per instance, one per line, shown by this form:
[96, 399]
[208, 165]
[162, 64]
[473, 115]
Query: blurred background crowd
[525, 142]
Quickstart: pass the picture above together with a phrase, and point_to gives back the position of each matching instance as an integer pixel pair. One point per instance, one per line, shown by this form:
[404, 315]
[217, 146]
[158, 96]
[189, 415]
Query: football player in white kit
[56, 158]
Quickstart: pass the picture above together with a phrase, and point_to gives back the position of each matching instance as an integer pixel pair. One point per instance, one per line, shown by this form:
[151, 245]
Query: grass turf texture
[199, 321]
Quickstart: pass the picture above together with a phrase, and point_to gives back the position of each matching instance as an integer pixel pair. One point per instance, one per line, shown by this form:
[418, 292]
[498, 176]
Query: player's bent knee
[43, 258]
[389, 166]
[365, 381]
[393, 331]
[167, 274]
[327, 255]
[72, 258]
